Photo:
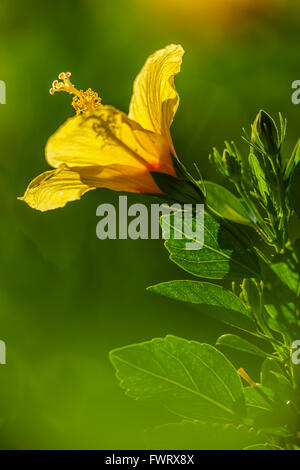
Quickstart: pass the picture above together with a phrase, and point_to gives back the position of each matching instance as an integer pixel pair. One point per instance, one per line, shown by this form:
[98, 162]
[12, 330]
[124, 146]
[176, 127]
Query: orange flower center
[83, 101]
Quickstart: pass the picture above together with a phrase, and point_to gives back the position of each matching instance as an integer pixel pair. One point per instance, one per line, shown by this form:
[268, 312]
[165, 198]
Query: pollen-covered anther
[83, 101]
[86, 101]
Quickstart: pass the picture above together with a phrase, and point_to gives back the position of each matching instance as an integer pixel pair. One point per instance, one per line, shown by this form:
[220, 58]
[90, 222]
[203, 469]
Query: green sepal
[183, 188]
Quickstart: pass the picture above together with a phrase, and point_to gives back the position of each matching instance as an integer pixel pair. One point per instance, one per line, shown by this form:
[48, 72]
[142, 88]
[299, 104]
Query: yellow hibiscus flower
[102, 147]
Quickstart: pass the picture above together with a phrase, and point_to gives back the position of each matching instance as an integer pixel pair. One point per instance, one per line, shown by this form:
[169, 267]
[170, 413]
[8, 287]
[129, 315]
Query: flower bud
[233, 167]
[265, 134]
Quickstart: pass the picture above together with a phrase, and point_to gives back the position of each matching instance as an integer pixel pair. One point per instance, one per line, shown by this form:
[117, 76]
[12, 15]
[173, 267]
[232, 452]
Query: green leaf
[236, 342]
[267, 412]
[295, 189]
[226, 205]
[259, 177]
[219, 303]
[272, 377]
[222, 256]
[281, 285]
[293, 161]
[251, 292]
[265, 446]
[258, 400]
[191, 379]
[198, 435]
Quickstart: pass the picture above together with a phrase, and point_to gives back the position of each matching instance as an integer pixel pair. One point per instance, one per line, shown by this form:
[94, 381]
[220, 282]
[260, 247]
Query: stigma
[83, 101]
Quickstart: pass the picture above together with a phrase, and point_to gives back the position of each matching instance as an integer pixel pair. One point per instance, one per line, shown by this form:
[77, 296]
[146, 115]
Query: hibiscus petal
[120, 178]
[107, 137]
[54, 189]
[154, 100]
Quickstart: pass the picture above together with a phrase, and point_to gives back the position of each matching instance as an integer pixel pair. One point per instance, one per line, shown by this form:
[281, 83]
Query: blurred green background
[66, 297]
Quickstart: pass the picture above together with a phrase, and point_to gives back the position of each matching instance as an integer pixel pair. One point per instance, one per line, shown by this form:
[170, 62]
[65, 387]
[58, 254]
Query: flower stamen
[83, 101]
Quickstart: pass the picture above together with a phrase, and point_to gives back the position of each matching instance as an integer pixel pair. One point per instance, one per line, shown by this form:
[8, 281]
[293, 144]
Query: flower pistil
[83, 101]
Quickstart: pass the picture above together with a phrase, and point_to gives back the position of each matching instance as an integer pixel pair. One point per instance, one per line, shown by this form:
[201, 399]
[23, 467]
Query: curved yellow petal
[154, 100]
[120, 178]
[54, 189]
[107, 137]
